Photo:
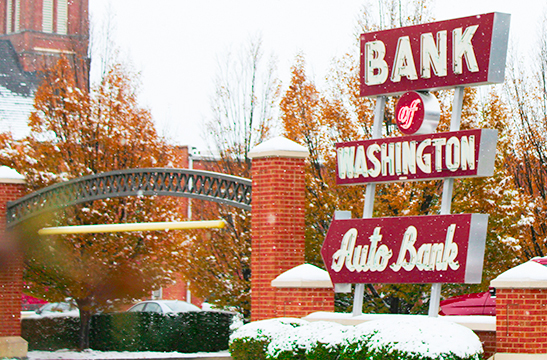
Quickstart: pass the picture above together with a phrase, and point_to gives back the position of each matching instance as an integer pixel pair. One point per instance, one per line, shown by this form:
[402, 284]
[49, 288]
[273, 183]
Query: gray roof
[17, 89]
[12, 76]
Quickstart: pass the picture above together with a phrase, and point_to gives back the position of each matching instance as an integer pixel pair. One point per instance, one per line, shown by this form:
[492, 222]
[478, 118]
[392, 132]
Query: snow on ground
[93, 354]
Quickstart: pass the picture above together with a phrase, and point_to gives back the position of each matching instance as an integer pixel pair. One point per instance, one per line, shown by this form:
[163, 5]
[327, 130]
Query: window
[47, 16]
[62, 17]
[152, 307]
[136, 308]
[55, 12]
[13, 10]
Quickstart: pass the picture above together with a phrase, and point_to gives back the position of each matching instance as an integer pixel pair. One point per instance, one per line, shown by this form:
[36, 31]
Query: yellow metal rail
[107, 228]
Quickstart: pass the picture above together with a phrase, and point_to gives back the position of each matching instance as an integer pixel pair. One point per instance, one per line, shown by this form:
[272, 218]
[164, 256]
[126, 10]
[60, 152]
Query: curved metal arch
[204, 185]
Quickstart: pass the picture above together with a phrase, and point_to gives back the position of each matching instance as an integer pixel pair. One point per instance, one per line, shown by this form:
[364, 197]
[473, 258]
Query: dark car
[483, 303]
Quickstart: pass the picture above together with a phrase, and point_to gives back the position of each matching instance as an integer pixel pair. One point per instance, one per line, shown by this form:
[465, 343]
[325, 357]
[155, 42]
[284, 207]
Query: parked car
[483, 303]
[65, 308]
[163, 306]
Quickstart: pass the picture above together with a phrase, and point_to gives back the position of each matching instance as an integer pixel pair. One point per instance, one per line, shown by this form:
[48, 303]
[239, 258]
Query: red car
[483, 303]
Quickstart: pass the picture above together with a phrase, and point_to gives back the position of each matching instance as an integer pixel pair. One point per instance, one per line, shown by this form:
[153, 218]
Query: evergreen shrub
[252, 340]
[206, 331]
[51, 333]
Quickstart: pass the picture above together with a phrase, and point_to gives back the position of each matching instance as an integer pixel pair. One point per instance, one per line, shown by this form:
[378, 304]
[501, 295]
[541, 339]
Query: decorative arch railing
[204, 185]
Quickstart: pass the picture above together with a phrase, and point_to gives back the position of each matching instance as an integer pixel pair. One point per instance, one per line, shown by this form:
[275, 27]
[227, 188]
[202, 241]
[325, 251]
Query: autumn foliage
[76, 132]
[319, 119]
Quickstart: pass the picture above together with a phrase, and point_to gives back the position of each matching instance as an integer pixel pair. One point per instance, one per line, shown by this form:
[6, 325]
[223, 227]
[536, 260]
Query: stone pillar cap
[10, 176]
[279, 147]
[303, 276]
[530, 275]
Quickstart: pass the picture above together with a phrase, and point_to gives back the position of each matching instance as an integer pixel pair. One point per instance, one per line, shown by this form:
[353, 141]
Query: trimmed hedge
[190, 332]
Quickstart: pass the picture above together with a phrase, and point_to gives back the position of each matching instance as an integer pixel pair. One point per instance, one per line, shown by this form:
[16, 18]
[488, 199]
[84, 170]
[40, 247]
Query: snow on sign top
[437, 55]
[279, 147]
[528, 275]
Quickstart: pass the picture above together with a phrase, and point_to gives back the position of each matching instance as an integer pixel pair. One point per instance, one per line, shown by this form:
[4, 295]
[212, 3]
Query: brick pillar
[278, 209]
[11, 272]
[303, 290]
[521, 312]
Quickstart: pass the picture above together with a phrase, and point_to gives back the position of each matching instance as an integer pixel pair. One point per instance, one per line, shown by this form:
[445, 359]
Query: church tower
[42, 30]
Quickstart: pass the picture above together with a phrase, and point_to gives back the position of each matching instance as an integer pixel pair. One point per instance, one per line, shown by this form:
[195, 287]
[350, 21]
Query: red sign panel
[469, 153]
[465, 51]
[410, 249]
[417, 113]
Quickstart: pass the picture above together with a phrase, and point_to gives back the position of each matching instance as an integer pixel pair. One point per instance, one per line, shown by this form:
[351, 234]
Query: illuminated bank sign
[410, 249]
[411, 61]
[459, 154]
[465, 51]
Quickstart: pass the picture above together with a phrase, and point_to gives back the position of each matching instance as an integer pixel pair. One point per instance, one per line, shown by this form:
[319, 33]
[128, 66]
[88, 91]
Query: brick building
[33, 35]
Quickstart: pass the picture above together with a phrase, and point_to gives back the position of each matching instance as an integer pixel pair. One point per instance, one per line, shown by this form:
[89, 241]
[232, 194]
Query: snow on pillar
[12, 345]
[278, 209]
[521, 312]
[303, 290]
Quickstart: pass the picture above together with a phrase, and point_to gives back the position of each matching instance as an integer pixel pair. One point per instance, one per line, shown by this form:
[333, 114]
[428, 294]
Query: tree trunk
[85, 322]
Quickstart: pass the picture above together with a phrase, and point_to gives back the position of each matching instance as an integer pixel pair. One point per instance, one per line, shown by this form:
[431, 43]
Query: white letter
[360, 163]
[424, 161]
[375, 238]
[409, 157]
[468, 152]
[462, 46]
[432, 55]
[407, 245]
[398, 159]
[346, 157]
[377, 166]
[345, 252]
[388, 159]
[424, 252]
[453, 153]
[376, 69]
[436, 258]
[438, 143]
[404, 62]
[382, 258]
[450, 250]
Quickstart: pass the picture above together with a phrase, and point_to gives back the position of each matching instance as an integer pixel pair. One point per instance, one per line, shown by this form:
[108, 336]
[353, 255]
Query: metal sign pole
[369, 197]
[448, 187]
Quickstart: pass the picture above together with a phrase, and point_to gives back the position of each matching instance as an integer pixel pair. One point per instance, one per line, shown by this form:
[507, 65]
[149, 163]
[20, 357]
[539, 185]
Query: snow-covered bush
[251, 341]
[393, 337]
[420, 337]
[314, 341]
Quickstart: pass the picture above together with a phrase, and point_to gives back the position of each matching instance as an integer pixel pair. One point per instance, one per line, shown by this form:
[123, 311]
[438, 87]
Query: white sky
[175, 44]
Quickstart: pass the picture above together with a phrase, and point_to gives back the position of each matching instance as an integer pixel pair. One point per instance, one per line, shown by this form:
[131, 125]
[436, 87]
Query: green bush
[186, 332]
[51, 333]
[320, 340]
[250, 342]
[396, 337]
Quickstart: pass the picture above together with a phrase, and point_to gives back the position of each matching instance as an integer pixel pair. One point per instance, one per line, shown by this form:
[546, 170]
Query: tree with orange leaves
[75, 132]
[318, 120]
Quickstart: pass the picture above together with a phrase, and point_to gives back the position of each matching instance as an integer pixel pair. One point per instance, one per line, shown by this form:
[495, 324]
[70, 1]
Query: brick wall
[292, 302]
[278, 208]
[520, 320]
[488, 340]
[11, 268]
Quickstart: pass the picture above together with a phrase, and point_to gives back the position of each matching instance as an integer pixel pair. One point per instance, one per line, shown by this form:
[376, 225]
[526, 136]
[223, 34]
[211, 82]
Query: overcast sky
[175, 44]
